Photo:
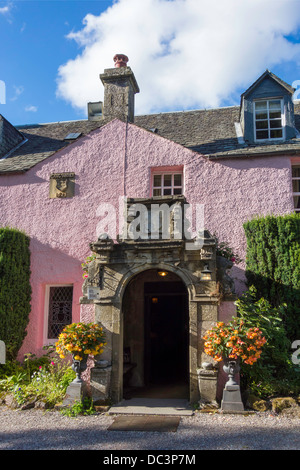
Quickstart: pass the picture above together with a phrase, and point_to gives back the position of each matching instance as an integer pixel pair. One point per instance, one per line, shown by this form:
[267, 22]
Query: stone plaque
[62, 185]
[93, 293]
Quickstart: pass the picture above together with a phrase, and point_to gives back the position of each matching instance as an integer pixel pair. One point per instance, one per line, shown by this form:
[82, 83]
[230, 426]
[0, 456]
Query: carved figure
[62, 187]
[226, 282]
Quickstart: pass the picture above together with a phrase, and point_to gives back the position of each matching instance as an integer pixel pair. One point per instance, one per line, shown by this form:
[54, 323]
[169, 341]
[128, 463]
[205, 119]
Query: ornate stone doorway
[156, 336]
[126, 309]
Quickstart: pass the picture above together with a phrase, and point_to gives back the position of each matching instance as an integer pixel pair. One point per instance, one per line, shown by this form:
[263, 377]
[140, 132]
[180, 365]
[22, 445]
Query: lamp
[206, 274]
[162, 273]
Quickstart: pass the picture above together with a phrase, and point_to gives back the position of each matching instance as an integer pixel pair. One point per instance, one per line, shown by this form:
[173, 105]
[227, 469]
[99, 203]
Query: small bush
[274, 373]
[84, 407]
[38, 379]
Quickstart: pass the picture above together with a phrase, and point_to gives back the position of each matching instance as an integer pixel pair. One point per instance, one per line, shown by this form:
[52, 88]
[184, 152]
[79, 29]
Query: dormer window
[267, 111]
[268, 119]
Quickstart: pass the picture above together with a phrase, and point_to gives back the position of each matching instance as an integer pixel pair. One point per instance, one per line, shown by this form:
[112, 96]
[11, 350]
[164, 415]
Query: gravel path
[40, 430]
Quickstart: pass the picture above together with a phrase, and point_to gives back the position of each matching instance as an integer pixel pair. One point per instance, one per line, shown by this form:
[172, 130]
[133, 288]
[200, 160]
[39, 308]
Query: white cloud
[4, 10]
[184, 53]
[18, 91]
[31, 109]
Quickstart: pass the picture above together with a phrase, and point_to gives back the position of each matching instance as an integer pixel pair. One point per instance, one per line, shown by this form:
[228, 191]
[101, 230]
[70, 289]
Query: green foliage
[274, 373]
[47, 381]
[223, 249]
[15, 289]
[84, 407]
[273, 265]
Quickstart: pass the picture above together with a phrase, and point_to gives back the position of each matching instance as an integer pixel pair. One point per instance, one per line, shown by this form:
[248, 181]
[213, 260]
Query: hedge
[273, 264]
[15, 288]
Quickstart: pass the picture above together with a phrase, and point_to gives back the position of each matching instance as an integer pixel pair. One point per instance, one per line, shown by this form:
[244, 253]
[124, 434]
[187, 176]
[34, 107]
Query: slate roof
[267, 73]
[10, 137]
[210, 132]
[41, 141]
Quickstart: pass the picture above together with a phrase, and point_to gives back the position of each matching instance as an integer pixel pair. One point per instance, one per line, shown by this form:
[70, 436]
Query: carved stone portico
[120, 269]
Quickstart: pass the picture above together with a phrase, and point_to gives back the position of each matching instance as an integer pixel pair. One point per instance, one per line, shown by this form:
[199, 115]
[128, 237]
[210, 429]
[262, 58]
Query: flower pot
[79, 366]
[231, 367]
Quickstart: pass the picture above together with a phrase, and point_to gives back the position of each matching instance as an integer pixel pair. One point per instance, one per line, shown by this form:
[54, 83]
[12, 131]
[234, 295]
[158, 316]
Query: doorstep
[153, 406]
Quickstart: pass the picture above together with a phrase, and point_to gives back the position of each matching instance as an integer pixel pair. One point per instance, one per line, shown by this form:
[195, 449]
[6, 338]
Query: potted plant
[232, 343]
[80, 340]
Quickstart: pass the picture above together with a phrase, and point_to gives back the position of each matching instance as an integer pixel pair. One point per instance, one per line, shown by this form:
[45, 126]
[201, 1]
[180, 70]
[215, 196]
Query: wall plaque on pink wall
[62, 185]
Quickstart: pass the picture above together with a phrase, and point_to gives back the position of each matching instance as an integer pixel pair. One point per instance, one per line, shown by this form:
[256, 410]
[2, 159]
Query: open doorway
[156, 337]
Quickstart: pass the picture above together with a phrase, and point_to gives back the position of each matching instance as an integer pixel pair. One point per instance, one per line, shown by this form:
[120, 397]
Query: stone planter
[231, 367]
[77, 389]
[79, 367]
[207, 381]
[232, 401]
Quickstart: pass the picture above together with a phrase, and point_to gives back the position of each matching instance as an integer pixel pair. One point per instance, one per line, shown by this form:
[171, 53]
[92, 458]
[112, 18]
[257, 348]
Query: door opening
[156, 337]
[166, 333]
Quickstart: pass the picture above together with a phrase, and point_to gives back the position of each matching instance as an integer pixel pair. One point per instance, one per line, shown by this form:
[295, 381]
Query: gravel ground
[50, 430]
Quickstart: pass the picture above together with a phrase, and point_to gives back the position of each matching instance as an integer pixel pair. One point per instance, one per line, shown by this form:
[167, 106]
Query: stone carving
[62, 185]
[206, 253]
[226, 282]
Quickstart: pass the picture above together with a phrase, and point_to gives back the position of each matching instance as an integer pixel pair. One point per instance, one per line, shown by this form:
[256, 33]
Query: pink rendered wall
[112, 162]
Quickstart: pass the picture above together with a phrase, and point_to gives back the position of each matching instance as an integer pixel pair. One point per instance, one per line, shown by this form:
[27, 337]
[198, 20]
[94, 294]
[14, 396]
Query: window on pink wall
[167, 182]
[59, 301]
[296, 186]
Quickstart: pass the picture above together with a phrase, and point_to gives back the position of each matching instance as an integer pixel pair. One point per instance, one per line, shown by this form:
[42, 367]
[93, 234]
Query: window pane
[297, 202]
[296, 186]
[167, 180]
[276, 134]
[167, 191]
[261, 105]
[261, 124]
[262, 135]
[177, 190]
[261, 115]
[156, 192]
[157, 180]
[60, 309]
[177, 180]
[275, 104]
[275, 123]
[296, 171]
[275, 114]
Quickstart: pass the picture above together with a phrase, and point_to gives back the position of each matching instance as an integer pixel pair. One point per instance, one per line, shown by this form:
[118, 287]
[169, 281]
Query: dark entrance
[166, 333]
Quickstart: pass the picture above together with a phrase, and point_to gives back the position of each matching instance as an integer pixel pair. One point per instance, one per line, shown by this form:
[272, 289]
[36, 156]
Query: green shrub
[274, 373]
[273, 265]
[15, 289]
[48, 382]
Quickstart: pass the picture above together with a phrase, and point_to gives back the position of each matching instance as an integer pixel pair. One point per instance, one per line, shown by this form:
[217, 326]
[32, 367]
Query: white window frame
[295, 178]
[269, 139]
[163, 173]
[46, 311]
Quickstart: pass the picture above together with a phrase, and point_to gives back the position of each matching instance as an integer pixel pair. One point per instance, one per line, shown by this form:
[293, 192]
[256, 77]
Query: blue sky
[186, 54]
[33, 47]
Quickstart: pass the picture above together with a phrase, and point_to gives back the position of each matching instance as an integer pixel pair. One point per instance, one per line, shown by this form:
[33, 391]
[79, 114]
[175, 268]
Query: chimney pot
[120, 60]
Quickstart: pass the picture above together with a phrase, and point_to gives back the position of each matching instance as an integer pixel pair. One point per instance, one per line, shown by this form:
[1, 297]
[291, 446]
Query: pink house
[67, 183]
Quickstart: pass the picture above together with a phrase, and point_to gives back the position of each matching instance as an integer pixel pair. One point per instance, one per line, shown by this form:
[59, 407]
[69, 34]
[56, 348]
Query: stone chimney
[120, 86]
